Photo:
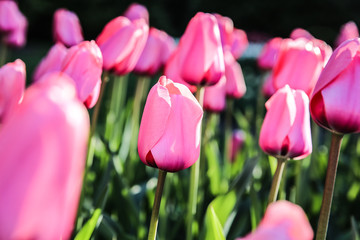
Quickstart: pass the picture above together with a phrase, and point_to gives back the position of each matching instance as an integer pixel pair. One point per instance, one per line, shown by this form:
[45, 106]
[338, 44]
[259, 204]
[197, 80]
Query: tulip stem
[281, 163]
[155, 211]
[194, 181]
[329, 186]
[95, 113]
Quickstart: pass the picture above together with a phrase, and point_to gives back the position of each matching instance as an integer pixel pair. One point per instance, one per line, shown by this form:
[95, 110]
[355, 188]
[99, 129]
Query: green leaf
[86, 232]
[213, 228]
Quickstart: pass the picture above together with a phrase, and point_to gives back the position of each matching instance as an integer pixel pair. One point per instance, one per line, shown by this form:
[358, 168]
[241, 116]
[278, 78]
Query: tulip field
[136, 134]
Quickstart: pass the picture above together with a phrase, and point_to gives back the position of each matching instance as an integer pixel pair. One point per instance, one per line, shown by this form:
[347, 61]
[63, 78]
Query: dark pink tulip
[51, 62]
[137, 11]
[66, 28]
[9, 16]
[268, 54]
[215, 96]
[285, 132]
[347, 31]
[200, 57]
[12, 86]
[169, 136]
[121, 43]
[83, 63]
[240, 43]
[237, 141]
[156, 52]
[301, 33]
[235, 83]
[43, 151]
[283, 220]
[299, 64]
[335, 104]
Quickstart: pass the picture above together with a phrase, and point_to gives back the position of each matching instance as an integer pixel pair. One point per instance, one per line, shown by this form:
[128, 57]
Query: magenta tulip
[226, 27]
[235, 83]
[121, 43]
[17, 37]
[301, 33]
[43, 151]
[51, 62]
[66, 28]
[156, 52]
[283, 220]
[12, 86]
[347, 31]
[268, 54]
[137, 11]
[335, 104]
[200, 58]
[285, 132]
[215, 96]
[169, 136]
[299, 64]
[9, 16]
[237, 142]
[240, 43]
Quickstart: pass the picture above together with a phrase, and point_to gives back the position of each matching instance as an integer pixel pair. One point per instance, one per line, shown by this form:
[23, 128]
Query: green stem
[155, 211]
[194, 181]
[3, 53]
[227, 140]
[329, 186]
[95, 113]
[277, 179]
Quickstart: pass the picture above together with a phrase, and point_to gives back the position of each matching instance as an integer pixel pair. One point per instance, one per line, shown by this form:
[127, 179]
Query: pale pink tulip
[122, 42]
[347, 31]
[51, 62]
[12, 86]
[285, 132]
[235, 83]
[66, 27]
[335, 104]
[169, 136]
[200, 58]
[215, 96]
[43, 151]
[268, 54]
[283, 220]
[137, 11]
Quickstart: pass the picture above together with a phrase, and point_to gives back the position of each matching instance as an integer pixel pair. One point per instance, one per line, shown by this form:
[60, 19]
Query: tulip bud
[235, 83]
[66, 28]
[301, 33]
[335, 104]
[43, 151]
[347, 31]
[121, 43]
[268, 54]
[215, 96]
[12, 82]
[137, 11]
[285, 132]
[200, 58]
[282, 220]
[169, 136]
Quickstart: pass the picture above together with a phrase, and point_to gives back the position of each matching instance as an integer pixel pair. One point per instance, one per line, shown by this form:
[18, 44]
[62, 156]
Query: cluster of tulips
[57, 133]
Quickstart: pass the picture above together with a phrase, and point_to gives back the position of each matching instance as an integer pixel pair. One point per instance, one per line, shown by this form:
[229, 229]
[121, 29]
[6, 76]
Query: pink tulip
[268, 54]
[285, 132]
[347, 31]
[240, 43]
[169, 136]
[226, 27]
[215, 96]
[156, 52]
[83, 63]
[66, 28]
[200, 58]
[283, 220]
[237, 141]
[51, 62]
[12, 86]
[43, 152]
[335, 104]
[268, 88]
[9, 16]
[301, 33]
[121, 43]
[299, 64]
[137, 11]
[235, 83]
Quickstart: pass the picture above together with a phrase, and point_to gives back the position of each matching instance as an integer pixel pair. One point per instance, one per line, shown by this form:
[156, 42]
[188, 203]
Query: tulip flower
[169, 136]
[283, 220]
[43, 152]
[268, 54]
[239, 44]
[12, 82]
[156, 52]
[51, 62]
[200, 59]
[299, 64]
[235, 83]
[237, 141]
[9, 14]
[301, 33]
[347, 31]
[66, 28]
[226, 27]
[137, 11]
[268, 88]
[121, 43]
[17, 37]
[215, 96]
